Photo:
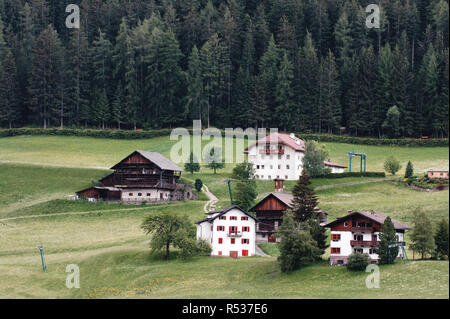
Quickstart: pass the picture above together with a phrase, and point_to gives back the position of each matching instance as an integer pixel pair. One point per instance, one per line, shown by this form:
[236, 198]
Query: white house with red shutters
[230, 231]
[360, 232]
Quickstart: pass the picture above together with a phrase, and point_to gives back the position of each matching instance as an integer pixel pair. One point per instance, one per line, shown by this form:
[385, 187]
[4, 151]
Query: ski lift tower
[400, 245]
[363, 158]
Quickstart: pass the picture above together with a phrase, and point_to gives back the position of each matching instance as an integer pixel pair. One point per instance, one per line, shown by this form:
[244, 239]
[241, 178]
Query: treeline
[309, 66]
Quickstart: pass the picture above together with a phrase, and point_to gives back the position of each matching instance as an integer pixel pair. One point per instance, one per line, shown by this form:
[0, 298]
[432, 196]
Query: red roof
[289, 140]
[332, 164]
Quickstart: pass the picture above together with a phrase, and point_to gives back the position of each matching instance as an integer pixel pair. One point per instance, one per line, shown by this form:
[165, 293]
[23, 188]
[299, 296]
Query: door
[233, 254]
[272, 238]
[244, 253]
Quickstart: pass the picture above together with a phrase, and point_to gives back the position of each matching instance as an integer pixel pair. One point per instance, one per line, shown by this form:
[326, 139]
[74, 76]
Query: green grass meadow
[37, 174]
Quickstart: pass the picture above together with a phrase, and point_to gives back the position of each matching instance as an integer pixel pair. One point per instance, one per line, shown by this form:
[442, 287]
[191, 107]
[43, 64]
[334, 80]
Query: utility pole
[41, 249]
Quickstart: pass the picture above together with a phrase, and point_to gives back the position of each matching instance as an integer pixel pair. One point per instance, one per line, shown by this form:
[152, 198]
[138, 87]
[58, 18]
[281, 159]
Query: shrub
[198, 184]
[409, 172]
[358, 261]
[392, 165]
[354, 174]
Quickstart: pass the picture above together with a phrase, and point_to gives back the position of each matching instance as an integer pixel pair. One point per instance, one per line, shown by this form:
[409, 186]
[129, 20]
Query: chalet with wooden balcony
[140, 177]
[269, 213]
[359, 232]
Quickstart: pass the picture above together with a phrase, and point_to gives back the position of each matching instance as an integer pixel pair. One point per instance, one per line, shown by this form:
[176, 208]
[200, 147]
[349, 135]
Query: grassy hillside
[106, 241]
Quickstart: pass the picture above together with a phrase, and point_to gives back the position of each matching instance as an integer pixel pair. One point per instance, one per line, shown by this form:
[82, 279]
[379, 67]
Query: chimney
[349, 211]
[279, 185]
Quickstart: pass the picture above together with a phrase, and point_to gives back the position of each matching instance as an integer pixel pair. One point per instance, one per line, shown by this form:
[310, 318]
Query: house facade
[230, 231]
[140, 177]
[280, 156]
[438, 174]
[269, 213]
[359, 232]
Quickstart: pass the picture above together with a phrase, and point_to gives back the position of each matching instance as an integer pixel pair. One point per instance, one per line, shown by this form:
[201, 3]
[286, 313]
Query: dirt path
[210, 205]
[260, 252]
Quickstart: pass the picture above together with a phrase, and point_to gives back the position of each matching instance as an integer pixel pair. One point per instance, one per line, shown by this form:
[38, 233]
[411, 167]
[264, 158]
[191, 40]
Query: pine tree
[330, 108]
[384, 86]
[309, 89]
[101, 107]
[284, 94]
[195, 100]
[3, 46]
[304, 204]
[421, 238]
[193, 165]
[441, 239]
[100, 58]
[387, 235]
[46, 76]
[165, 80]
[118, 107]
[409, 171]
[9, 99]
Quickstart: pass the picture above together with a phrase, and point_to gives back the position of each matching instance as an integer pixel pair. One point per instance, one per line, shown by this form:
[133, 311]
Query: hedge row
[353, 174]
[113, 134]
[432, 142]
[132, 135]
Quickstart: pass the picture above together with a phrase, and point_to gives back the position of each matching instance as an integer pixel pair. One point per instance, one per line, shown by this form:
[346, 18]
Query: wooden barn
[140, 177]
[269, 213]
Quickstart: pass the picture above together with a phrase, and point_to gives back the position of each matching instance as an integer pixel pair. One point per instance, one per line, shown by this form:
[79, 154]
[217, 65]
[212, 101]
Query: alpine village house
[280, 156]
[230, 231]
[359, 232]
[140, 177]
[269, 213]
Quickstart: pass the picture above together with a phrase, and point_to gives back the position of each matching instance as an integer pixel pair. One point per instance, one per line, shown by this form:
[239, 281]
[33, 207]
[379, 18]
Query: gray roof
[161, 161]
[158, 159]
[374, 216]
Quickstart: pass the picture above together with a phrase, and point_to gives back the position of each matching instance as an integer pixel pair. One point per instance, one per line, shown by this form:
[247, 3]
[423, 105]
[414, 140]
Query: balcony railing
[266, 151]
[361, 229]
[234, 234]
[365, 243]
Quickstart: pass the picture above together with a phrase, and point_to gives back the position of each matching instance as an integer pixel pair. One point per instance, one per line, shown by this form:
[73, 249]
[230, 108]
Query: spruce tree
[195, 100]
[193, 165]
[9, 90]
[284, 94]
[422, 239]
[387, 235]
[409, 172]
[304, 204]
[441, 239]
[118, 112]
[330, 107]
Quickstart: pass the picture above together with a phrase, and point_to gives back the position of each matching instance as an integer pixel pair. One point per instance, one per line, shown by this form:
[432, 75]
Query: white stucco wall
[147, 195]
[276, 166]
[212, 236]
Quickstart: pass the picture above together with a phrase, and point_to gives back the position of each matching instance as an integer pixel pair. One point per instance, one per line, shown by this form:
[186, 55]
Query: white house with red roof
[230, 232]
[359, 232]
[280, 156]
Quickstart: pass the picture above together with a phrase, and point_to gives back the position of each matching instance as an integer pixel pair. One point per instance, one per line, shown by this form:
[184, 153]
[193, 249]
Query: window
[358, 250]
[256, 176]
[233, 229]
[271, 166]
[222, 217]
[270, 177]
[233, 240]
[372, 251]
[245, 229]
[220, 253]
[220, 228]
[262, 166]
[245, 241]
[233, 217]
[345, 224]
[220, 240]
[244, 218]
[262, 176]
[286, 177]
[148, 195]
[335, 237]
[288, 156]
[139, 194]
[287, 166]
[279, 166]
[279, 157]
[130, 194]
[212, 228]
[257, 166]
[335, 250]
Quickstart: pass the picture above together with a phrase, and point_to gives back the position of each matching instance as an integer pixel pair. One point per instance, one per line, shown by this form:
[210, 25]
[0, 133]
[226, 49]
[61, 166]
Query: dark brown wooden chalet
[269, 213]
[141, 176]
